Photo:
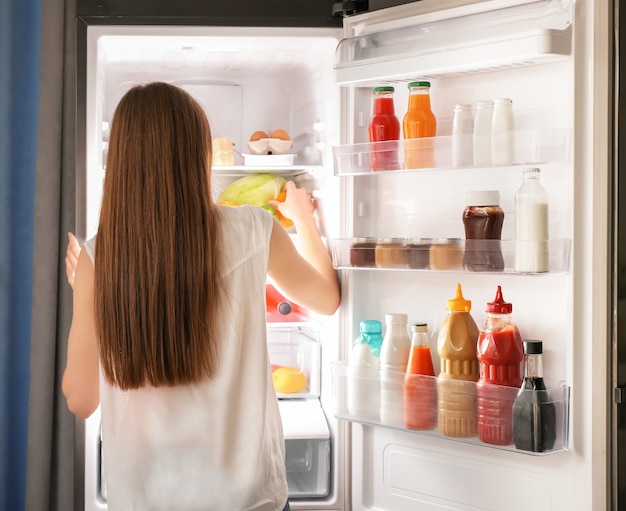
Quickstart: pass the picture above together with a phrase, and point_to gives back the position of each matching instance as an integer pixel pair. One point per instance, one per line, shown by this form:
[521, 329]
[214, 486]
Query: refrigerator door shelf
[347, 380]
[530, 147]
[440, 254]
[535, 33]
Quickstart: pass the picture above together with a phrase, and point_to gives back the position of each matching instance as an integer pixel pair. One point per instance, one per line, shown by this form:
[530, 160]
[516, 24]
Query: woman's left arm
[81, 377]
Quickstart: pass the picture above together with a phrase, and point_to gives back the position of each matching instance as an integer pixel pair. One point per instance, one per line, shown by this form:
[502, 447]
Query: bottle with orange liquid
[384, 126]
[419, 122]
[420, 386]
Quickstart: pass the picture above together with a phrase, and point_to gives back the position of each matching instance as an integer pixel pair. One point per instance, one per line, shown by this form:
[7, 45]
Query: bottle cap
[458, 303]
[530, 173]
[462, 106]
[483, 198]
[533, 347]
[396, 318]
[485, 103]
[371, 326]
[284, 308]
[418, 84]
[419, 327]
[385, 88]
[499, 306]
[502, 101]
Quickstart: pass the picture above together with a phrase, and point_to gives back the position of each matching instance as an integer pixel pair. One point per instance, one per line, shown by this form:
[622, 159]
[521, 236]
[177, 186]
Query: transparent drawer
[294, 353]
[308, 467]
[450, 254]
[307, 448]
[449, 409]
[531, 147]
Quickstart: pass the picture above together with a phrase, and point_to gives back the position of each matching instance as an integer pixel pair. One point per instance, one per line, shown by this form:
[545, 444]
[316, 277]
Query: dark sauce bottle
[483, 219]
[534, 415]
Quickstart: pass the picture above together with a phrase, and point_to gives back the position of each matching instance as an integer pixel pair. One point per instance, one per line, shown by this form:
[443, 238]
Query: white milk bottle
[394, 357]
[531, 225]
[502, 130]
[482, 132]
[462, 129]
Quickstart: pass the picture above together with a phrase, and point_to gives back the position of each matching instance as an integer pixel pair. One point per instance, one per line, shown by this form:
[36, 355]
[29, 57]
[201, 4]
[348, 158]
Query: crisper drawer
[294, 353]
[307, 448]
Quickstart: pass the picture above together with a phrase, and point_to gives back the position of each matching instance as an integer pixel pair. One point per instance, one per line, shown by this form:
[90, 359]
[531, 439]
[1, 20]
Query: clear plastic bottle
[534, 415]
[462, 141]
[363, 367]
[531, 225]
[420, 384]
[500, 354]
[419, 122]
[482, 132]
[394, 357]
[502, 132]
[456, 387]
[384, 126]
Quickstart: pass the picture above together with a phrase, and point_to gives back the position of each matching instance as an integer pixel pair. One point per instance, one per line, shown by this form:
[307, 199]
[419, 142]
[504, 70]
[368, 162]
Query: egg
[258, 135]
[281, 134]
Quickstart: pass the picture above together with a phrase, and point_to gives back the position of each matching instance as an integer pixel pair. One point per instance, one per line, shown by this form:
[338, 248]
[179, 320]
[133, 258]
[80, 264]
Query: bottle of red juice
[384, 126]
[500, 353]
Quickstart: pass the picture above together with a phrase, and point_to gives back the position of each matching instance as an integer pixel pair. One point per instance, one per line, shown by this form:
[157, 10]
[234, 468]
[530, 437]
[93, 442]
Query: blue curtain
[20, 26]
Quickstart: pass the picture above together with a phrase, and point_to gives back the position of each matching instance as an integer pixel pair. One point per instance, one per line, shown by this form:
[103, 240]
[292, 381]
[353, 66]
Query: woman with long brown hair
[168, 331]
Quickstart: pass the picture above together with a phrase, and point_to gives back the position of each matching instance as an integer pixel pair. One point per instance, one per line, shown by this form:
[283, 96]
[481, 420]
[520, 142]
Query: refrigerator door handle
[619, 395]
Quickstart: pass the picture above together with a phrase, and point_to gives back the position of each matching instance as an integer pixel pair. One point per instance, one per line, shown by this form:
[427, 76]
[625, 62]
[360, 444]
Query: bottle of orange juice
[456, 387]
[419, 122]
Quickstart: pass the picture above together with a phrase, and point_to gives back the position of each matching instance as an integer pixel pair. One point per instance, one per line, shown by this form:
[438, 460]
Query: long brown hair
[156, 266]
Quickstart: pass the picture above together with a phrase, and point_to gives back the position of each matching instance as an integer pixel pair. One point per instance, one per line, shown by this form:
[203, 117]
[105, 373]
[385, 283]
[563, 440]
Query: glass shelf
[443, 254]
[356, 398]
[531, 147]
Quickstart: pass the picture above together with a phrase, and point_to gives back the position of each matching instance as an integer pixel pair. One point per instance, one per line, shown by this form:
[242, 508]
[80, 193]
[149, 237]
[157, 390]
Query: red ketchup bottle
[420, 384]
[384, 126]
[500, 352]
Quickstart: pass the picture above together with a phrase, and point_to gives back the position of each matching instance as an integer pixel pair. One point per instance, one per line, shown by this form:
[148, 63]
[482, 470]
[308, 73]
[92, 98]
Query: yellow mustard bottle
[456, 388]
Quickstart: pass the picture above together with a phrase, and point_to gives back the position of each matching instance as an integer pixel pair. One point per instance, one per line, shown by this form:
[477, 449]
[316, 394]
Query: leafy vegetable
[255, 189]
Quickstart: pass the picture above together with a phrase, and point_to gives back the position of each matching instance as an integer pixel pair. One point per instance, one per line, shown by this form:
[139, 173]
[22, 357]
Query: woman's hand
[298, 205]
[71, 258]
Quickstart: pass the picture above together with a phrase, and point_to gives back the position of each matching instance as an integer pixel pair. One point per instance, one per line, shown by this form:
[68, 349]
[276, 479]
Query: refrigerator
[554, 59]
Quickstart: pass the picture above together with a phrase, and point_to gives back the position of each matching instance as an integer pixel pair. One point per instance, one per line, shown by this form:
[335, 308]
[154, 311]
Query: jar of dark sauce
[483, 219]
[363, 252]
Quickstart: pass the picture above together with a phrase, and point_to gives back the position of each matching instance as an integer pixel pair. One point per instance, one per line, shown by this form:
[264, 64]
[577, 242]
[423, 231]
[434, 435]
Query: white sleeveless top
[217, 445]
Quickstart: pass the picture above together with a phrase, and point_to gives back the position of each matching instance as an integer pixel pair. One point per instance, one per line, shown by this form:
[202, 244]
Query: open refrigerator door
[540, 55]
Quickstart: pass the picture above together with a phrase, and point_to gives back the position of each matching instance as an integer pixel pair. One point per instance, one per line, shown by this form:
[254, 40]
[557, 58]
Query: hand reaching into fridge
[71, 258]
[305, 275]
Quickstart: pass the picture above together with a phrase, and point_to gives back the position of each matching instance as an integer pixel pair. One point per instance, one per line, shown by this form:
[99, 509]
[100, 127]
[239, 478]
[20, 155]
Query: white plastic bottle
[394, 357]
[482, 132]
[462, 142]
[502, 132]
[363, 371]
[363, 382]
[531, 225]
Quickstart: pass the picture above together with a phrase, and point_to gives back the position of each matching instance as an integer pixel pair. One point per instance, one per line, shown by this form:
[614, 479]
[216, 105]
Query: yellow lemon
[288, 380]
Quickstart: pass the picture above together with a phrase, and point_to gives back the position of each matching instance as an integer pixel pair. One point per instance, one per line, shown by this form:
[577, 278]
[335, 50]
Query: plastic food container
[390, 253]
[446, 254]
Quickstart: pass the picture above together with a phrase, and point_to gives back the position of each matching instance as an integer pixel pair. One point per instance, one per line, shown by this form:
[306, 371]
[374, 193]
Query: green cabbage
[255, 189]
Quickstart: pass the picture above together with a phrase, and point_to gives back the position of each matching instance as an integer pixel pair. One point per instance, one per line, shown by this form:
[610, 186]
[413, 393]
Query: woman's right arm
[305, 274]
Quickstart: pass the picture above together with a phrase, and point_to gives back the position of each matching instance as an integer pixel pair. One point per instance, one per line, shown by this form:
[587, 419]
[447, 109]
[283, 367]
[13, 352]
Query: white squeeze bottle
[363, 375]
[394, 357]
[531, 225]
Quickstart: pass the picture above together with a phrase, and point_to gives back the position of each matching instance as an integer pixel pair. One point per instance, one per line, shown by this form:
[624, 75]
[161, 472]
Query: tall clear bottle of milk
[531, 225]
